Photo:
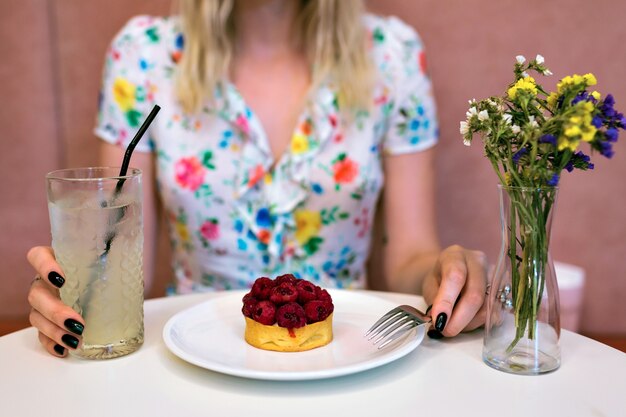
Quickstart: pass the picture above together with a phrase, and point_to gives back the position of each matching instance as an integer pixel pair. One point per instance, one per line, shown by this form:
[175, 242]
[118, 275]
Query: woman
[244, 192]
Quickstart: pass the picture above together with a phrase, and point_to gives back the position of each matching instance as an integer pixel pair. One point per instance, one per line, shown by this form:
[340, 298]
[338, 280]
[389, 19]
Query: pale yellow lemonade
[104, 286]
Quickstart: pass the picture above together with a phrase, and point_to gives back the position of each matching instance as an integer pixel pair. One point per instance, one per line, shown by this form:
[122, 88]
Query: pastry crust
[281, 339]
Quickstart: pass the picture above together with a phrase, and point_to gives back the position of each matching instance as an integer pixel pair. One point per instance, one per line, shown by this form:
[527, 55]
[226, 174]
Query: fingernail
[74, 326]
[434, 334]
[59, 349]
[56, 279]
[70, 341]
[428, 309]
[440, 323]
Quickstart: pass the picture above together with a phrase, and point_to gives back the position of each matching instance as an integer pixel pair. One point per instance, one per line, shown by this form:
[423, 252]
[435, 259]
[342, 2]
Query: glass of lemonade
[97, 237]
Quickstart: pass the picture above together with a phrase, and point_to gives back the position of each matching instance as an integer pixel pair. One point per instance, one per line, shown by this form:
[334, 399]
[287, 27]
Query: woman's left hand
[456, 287]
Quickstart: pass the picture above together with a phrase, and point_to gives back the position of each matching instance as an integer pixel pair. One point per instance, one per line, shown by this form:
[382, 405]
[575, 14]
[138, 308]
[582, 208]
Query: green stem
[529, 211]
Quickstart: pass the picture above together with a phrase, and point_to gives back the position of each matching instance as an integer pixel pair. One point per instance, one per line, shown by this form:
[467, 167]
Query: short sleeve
[126, 93]
[412, 124]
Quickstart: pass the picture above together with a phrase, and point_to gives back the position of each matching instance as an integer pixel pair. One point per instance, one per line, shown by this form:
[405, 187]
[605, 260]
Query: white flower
[464, 128]
[483, 115]
[520, 59]
[515, 129]
[547, 72]
[471, 112]
[525, 74]
[532, 121]
[472, 101]
[467, 142]
[507, 118]
[540, 60]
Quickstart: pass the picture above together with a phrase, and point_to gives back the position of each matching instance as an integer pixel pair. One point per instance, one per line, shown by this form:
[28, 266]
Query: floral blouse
[236, 214]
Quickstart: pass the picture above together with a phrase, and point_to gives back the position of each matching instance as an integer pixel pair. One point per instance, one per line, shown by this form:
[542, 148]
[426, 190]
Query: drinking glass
[97, 237]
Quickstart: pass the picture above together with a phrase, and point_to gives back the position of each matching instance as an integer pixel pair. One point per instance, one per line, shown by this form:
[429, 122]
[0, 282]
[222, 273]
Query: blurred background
[52, 55]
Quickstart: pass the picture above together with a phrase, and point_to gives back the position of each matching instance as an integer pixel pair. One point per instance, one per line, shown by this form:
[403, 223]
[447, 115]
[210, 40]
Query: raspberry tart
[287, 314]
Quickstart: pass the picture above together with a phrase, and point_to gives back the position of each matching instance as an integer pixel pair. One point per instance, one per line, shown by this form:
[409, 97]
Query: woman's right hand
[60, 327]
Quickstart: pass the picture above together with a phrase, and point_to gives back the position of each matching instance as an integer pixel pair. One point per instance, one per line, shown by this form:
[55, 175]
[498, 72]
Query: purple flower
[611, 134]
[517, 155]
[606, 149]
[597, 121]
[552, 182]
[607, 107]
[551, 139]
[579, 160]
[579, 97]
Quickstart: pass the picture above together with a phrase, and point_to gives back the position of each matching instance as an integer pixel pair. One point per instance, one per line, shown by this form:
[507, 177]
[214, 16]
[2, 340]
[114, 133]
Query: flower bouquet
[531, 136]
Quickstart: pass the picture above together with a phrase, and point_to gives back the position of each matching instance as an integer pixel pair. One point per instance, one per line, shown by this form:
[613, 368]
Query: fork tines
[393, 325]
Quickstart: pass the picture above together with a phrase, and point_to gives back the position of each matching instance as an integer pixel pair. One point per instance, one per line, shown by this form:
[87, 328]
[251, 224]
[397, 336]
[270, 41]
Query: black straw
[124, 169]
[131, 147]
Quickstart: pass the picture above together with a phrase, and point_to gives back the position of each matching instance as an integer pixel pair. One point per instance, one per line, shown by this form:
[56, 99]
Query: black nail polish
[56, 279]
[70, 341]
[74, 326]
[440, 323]
[434, 334]
[59, 349]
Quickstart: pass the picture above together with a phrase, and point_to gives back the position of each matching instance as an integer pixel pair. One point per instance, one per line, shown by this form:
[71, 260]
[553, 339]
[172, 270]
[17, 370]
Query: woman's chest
[219, 158]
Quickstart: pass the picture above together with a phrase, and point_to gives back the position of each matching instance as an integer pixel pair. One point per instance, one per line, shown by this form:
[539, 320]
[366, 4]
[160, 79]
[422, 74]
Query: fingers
[60, 327]
[465, 313]
[51, 346]
[54, 339]
[452, 272]
[45, 301]
[459, 301]
[42, 260]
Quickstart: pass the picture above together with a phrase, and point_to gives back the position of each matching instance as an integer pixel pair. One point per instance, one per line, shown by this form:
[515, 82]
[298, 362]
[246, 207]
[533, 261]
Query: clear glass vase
[522, 329]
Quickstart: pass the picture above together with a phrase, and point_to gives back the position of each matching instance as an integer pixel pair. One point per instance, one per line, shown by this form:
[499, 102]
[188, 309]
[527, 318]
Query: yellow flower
[268, 178]
[308, 224]
[575, 80]
[596, 95]
[526, 84]
[124, 93]
[299, 143]
[572, 131]
[588, 133]
[552, 99]
[565, 143]
[579, 126]
[590, 79]
[182, 231]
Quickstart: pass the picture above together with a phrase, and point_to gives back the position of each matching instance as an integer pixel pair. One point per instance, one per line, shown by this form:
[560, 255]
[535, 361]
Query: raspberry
[261, 288]
[291, 316]
[265, 313]
[286, 278]
[249, 302]
[317, 310]
[323, 295]
[306, 291]
[283, 293]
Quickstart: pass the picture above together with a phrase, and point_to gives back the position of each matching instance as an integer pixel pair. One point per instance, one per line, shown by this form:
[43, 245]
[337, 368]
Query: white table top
[440, 378]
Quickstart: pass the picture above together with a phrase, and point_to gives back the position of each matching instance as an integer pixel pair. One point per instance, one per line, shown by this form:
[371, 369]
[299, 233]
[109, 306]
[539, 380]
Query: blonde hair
[331, 32]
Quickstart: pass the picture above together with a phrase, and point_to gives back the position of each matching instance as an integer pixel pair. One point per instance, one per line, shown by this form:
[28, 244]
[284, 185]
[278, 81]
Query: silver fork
[396, 323]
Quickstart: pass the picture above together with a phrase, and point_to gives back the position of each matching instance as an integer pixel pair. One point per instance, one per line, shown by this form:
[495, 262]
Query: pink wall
[52, 59]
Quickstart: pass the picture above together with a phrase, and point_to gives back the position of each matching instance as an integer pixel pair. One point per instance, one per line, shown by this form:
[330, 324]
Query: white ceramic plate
[211, 335]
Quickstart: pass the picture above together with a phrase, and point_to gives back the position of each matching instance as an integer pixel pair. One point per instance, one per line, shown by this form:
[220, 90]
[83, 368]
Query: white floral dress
[236, 214]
